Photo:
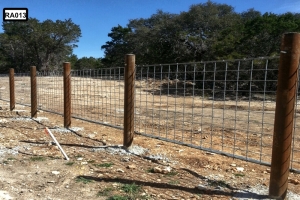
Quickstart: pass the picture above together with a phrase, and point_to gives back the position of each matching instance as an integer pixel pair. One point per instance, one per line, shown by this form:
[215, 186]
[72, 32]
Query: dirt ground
[32, 166]
[167, 109]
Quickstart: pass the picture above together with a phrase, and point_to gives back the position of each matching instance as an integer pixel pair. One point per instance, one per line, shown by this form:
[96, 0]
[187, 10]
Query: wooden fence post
[12, 88]
[33, 91]
[67, 94]
[129, 79]
[284, 114]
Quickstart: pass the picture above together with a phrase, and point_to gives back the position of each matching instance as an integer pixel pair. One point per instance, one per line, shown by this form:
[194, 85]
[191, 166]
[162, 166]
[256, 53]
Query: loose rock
[157, 170]
[166, 170]
[133, 166]
[295, 181]
[201, 187]
[120, 170]
[240, 169]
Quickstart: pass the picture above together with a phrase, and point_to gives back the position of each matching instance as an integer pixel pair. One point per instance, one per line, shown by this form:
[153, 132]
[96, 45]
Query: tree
[204, 24]
[72, 59]
[250, 14]
[165, 37]
[207, 31]
[118, 46]
[155, 38]
[262, 34]
[13, 50]
[43, 44]
[88, 63]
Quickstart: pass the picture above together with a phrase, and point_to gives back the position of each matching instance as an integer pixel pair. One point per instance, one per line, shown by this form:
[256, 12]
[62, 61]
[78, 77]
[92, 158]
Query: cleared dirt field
[239, 126]
[32, 167]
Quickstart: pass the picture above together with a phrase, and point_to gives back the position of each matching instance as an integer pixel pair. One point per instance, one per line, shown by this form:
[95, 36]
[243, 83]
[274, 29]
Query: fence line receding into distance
[226, 107]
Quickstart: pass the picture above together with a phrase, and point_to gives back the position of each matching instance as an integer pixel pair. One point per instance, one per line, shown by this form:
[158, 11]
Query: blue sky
[97, 17]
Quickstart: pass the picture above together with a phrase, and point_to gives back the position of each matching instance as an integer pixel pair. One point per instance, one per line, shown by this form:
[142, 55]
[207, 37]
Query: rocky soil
[33, 167]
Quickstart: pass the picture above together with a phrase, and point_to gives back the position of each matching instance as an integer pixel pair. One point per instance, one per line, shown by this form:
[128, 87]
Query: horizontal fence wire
[226, 107]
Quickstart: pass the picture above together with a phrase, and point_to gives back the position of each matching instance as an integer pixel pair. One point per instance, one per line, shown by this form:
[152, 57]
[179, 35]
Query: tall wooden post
[67, 94]
[12, 88]
[284, 114]
[33, 91]
[129, 78]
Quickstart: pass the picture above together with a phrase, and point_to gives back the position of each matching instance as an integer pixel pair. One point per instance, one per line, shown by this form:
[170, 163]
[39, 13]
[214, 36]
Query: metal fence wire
[97, 95]
[4, 89]
[22, 88]
[50, 91]
[225, 107]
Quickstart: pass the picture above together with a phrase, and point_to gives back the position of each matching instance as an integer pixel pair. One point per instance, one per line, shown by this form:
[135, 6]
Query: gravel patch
[119, 150]
[3, 121]
[4, 195]
[134, 150]
[66, 130]
[161, 157]
[39, 119]
[13, 151]
[137, 150]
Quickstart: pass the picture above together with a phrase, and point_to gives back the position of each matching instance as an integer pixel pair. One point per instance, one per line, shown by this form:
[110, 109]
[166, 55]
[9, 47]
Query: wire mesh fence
[226, 107]
[50, 91]
[22, 88]
[4, 87]
[97, 95]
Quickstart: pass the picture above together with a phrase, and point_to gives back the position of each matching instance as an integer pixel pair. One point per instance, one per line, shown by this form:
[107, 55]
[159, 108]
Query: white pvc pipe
[48, 131]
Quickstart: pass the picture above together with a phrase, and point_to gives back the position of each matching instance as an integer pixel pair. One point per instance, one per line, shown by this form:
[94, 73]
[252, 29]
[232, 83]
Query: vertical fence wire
[249, 111]
[263, 111]
[183, 105]
[168, 95]
[160, 92]
[152, 99]
[224, 97]
[193, 129]
[202, 101]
